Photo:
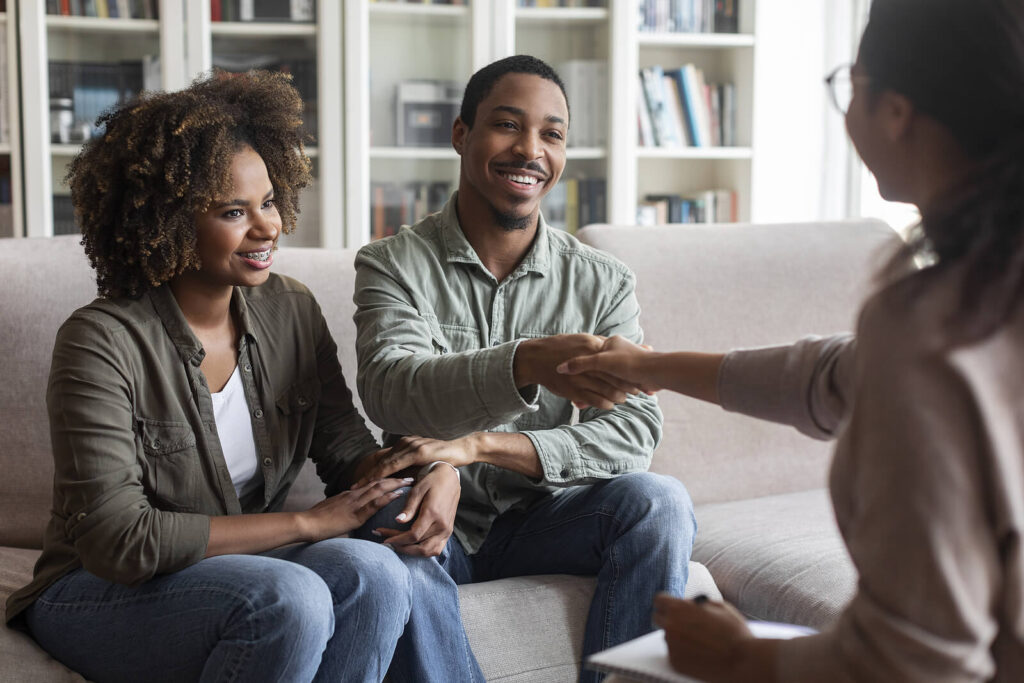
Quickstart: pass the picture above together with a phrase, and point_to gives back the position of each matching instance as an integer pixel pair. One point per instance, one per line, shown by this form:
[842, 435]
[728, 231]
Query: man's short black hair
[482, 82]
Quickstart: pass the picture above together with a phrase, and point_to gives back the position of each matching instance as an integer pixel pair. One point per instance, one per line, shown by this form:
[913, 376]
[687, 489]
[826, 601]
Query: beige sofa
[766, 529]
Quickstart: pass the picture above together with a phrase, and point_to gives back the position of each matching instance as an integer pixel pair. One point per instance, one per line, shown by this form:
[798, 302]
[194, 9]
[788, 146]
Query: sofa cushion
[510, 642]
[779, 558]
[22, 659]
[718, 287]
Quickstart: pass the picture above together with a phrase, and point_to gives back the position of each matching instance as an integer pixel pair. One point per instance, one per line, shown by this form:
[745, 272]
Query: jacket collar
[184, 339]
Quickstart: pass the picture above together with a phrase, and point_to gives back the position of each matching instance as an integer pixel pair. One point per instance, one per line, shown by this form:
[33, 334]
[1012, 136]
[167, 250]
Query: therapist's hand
[705, 640]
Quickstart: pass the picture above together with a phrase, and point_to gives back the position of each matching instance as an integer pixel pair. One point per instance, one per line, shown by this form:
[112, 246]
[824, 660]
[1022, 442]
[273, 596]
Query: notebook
[646, 658]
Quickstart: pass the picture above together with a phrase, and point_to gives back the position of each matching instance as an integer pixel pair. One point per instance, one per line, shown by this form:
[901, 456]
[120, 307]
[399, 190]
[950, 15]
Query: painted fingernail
[408, 480]
[376, 533]
[401, 517]
[563, 368]
[700, 599]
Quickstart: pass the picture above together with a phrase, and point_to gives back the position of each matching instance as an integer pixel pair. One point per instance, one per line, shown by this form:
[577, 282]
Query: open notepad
[646, 658]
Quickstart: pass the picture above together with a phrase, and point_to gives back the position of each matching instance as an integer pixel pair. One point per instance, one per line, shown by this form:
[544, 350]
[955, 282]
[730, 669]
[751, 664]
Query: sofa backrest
[41, 282]
[717, 287]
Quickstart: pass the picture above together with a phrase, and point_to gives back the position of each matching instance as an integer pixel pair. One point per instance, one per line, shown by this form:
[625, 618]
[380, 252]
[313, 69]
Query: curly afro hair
[165, 158]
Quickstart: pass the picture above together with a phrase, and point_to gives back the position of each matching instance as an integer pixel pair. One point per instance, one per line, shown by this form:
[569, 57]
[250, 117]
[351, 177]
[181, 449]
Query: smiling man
[462, 320]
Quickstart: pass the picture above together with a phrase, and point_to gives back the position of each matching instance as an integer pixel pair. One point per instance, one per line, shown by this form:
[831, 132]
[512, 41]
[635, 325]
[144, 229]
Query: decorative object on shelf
[81, 91]
[425, 111]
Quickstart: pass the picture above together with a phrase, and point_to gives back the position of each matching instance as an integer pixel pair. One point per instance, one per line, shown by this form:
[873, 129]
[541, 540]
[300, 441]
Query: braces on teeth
[258, 255]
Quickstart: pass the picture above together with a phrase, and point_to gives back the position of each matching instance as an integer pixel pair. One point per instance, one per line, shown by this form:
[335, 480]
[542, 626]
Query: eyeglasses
[840, 86]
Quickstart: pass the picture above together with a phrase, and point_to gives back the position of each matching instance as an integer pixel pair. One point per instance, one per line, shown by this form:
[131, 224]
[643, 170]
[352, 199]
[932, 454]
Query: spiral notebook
[646, 658]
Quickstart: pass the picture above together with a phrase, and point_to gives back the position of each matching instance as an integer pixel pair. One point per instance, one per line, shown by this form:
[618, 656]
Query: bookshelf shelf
[412, 153]
[65, 151]
[102, 26]
[413, 14]
[695, 153]
[695, 40]
[582, 153]
[276, 29]
[562, 15]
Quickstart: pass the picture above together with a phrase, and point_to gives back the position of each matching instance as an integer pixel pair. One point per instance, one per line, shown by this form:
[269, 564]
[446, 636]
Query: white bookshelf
[362, 50]
[10, 150]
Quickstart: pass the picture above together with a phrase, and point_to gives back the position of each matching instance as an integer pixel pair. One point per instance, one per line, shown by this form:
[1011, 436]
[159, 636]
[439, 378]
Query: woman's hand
[621, 362]
[432, 503]
[348, 510]
[705, 639]
[416, 451]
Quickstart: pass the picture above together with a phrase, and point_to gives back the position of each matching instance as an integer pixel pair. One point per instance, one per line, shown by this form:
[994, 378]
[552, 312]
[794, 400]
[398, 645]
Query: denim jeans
[327, 611]
[635, 532]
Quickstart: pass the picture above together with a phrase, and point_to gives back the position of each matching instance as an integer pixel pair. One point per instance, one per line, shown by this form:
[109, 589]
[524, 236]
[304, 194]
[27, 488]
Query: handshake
[589, 370]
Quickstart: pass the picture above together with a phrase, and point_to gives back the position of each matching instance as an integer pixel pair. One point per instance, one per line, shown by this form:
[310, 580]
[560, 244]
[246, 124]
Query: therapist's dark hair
[961, 62]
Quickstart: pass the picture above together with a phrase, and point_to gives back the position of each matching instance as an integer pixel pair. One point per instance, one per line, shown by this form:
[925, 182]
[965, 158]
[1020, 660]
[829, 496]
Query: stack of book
[677, 108]
[689, 16]
[105, 9]
[302, 70]
[561, 3]
[586, 88]
[574, 203]
[64, 216]
[393, 205]
[302, 11]
[709, 206]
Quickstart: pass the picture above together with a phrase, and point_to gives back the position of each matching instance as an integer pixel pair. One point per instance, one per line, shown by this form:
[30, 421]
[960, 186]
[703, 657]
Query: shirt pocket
[300, 397]
[170, 464]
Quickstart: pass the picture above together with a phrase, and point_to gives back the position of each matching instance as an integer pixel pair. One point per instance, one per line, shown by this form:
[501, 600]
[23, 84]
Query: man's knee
[658, 498]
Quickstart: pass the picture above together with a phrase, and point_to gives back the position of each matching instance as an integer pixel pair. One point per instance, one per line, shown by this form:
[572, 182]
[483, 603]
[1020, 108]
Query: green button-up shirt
[138, 463]
[437, 334]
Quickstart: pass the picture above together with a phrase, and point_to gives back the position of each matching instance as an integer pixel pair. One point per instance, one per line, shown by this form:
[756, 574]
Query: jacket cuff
[495, 384]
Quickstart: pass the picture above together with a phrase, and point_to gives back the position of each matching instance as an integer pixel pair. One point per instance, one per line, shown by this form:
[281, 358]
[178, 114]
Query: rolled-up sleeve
[604, 443]
[406, 387]
[806, 385]
[117, 534]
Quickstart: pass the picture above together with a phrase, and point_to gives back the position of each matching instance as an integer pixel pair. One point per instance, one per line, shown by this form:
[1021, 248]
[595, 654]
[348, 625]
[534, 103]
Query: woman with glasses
[926, 401]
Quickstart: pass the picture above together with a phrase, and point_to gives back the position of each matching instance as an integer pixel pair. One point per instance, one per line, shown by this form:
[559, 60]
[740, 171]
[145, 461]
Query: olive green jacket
[138, 465]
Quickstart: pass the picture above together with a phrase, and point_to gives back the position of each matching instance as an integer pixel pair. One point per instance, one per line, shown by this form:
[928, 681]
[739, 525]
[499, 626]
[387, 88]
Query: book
[646, 658]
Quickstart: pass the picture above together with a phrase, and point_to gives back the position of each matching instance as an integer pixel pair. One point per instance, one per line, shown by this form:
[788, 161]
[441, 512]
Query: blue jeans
[327, 611]
[635, 532]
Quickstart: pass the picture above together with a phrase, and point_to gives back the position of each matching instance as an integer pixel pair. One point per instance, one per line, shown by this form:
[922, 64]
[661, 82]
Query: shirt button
[258, 413]
[80, 516]
[564, 473]
[303, 401]
[248, 367]
[156, 443]
[267, 462]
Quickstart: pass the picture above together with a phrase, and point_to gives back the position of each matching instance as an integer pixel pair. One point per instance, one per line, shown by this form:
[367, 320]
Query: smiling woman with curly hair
[183, 404]
[167, 157]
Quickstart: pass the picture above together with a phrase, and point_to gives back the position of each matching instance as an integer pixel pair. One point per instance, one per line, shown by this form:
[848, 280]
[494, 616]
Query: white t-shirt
[231, 413]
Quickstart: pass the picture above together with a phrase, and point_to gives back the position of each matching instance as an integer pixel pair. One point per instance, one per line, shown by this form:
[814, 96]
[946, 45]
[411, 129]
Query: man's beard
[510, 222]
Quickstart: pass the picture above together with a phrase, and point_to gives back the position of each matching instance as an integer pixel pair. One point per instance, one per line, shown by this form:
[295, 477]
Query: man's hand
[416, 451]
[537, 360]
[621, 359]
[348, 510]
[432, 503]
